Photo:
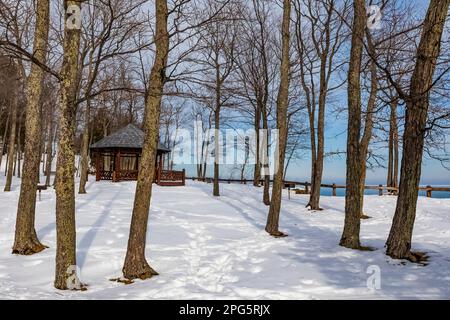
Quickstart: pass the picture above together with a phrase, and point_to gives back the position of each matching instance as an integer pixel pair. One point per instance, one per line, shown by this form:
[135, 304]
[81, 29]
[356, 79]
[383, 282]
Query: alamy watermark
[73, 17]
[374, 280]
[73, 281]
[374, 17]
[226, 147]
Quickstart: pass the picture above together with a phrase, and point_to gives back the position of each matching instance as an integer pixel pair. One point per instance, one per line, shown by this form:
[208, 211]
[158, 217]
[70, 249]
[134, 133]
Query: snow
[208, 248]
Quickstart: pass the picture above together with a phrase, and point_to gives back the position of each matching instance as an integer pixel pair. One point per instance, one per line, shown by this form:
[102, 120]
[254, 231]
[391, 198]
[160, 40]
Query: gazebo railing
[171, 178]
[130, 175]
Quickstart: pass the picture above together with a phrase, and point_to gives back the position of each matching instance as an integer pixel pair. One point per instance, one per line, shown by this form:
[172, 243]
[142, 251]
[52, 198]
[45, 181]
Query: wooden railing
[307, 185]
[171, 178]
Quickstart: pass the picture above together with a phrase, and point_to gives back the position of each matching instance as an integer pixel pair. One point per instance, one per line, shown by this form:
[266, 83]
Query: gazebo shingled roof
[130, 137]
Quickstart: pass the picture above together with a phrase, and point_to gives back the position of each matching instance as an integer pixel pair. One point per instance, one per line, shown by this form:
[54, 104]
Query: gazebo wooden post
[136, 167]
[117, 166]
[97, 166]
[160, 165]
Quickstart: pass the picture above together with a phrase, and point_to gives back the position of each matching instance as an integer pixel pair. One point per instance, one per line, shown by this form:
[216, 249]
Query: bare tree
[282, 106]
[319, 37]
[257, 68]
[135, 265]
[26, 241]
[65, 171]
[111, 27]
[417, 105]
[13, 75]
[217, 49]
[350, 235]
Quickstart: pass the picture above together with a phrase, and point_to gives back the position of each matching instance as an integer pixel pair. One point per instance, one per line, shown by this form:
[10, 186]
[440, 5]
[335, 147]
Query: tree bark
[282, 105]
[392, 178]
[5, 134]
[65, 169]
[417, 103]
[266, 193]
[217, 151]
[26, 241]
[12, 141]
[136, 265]
[368, 123]
[85, 149]
[49, 150]
[257, 170]
[217, 146]
[350, 235]
[19, 146]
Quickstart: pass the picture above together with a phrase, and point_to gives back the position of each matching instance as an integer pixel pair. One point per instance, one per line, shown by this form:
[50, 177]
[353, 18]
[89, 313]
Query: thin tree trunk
[136, 266]
[368, 125]
[5, 135]
[317, 168]
[49, 150]
[396, 147]
[350, 235]
[11, 143]
[390, 166]
[392, 179]
[217, 152]
[282, 105]
[65, 276]
[217, 146]
[85, 150]
[266, 193]
[19, 147]
[257, 170]
[400, 237]
[26, 241]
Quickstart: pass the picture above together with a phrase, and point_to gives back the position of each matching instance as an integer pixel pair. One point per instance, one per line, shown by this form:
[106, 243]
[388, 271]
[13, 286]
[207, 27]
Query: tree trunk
[217, 146]
[12, 142]
[26, 241]
[19, 147]
[399, 241]
[317, 160]
[282, 105]
[136, 266]
[392, 179]
[49, 150]
[217, 152]
[368, 123]
[5, 134]
[257, 170]
[266, 193]
[85, 150]
[65, 169]
[350, 236]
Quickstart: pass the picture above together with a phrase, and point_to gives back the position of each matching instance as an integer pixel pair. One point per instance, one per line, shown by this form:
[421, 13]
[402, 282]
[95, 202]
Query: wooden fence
[306, 185]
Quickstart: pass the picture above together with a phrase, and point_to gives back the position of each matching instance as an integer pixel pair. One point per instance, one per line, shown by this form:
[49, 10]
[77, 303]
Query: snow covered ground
[206, 248]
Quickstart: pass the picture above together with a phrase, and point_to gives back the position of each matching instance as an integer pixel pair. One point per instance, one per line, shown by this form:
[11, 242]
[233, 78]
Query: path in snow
[205, 247]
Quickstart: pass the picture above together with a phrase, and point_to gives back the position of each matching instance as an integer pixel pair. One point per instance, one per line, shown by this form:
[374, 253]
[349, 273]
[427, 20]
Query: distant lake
[341, 193]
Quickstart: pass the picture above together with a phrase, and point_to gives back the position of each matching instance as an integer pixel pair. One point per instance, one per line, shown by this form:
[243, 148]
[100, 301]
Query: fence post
[184, 177]
[380, 190]
[334, 190]
[429, 191]
[306, 188]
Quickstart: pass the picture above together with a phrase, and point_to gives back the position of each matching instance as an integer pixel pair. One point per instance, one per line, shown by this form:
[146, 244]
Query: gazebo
[117, 158]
